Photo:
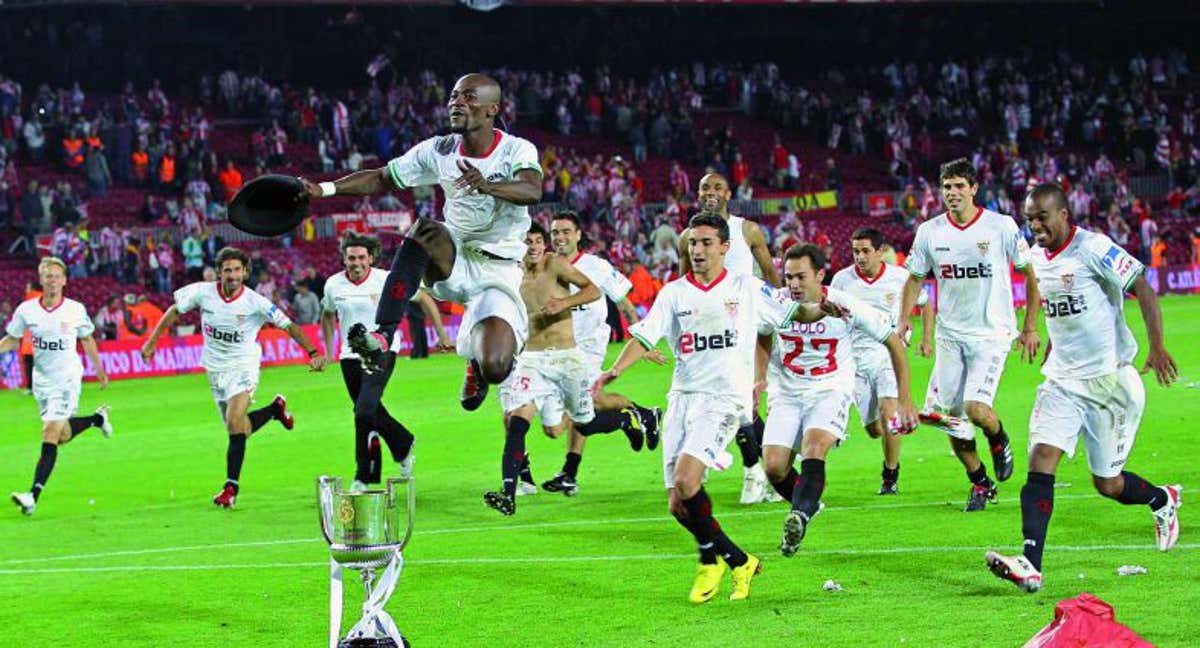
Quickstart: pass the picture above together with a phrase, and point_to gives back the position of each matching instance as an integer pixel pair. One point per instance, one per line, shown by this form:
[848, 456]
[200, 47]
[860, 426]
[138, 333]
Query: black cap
[269, 205]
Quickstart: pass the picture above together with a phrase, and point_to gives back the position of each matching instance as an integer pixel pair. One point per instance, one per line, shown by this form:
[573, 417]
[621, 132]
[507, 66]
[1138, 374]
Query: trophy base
[364, 642]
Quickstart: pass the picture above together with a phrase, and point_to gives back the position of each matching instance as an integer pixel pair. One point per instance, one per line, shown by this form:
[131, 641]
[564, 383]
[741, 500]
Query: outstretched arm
[316, 361]
[168, 320]
[360, 183]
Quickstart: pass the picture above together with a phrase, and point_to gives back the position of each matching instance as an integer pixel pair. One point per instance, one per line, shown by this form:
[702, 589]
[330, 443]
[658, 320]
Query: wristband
[327, 189]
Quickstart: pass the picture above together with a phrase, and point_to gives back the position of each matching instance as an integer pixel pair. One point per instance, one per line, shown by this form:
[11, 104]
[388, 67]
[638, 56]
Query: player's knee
[775, 466]
[495, 368]
[1108, 486]
[686, 486]
[979, 413]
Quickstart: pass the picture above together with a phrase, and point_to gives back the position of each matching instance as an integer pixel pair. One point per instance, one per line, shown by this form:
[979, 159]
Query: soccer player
[551, 374]
[710, 317]
[56, 324]
[592, 335]
[1091, 389]
[810, 383]
[351, 298]
[968, 251]
[489, 178]
[747, 247]
[230, 318]
[875, 391]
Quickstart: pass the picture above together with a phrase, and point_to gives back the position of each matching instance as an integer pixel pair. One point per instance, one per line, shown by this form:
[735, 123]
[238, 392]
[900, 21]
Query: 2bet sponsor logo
[232, 337]
[48, 345]
[696, 342]
[1065, 306]
[955, 271]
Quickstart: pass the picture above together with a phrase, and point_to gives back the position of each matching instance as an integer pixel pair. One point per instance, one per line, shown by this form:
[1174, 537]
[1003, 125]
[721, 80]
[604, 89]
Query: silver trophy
[366, 530]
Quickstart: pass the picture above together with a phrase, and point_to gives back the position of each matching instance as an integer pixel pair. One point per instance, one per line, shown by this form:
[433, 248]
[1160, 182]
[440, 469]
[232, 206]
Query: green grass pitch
[126, 548]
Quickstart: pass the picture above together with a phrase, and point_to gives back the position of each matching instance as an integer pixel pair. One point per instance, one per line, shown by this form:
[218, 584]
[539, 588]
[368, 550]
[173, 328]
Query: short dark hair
[801, 250]
[536, 228]
[230, 254]
[1050, 189]
[869, 233]
[354, 239]
[713, 221]
[569, 216]
[957, 168]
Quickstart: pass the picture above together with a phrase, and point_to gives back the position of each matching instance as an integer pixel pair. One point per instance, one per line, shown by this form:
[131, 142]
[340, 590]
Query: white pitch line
[487, 529]
[564, 559]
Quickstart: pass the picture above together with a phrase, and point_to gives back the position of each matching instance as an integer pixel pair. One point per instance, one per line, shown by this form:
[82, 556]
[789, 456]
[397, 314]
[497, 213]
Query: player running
[968, 250]
[230, 318]
[747, 247]
[350, 299]
[489, 178]
[1091, 388]
[551, 373]
[591, 335]
[56, 323]
[879, 285]
[810, 383]
[710, 317]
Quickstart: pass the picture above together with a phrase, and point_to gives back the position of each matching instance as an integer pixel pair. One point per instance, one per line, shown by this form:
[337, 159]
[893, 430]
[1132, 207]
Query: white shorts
[553, 380]
[788, 417]
[486, 287]
[58, 403]
[227, 384]
[593, 364]
[965, 371]
[1107, 410]
[699, 425]
[870, 386]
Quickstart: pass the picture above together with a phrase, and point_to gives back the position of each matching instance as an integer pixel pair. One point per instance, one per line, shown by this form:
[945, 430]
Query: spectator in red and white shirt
[678, 179]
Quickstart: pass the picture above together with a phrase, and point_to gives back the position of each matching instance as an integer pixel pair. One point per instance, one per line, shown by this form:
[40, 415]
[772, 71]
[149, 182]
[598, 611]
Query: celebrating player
[875, 391]
[592, 334]
[351, 298]
[747, 247]
[1091, 388]
[489, 178]
[551, 372]
[968, 251]
[709, 317]
[810, 382]
[56, 324]
[230, 317]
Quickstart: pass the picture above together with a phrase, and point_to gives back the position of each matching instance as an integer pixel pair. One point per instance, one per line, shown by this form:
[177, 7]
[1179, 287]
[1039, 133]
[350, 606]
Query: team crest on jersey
[731, 307]
[64, 326]
[375, 298]
[983, 246]
[241, 319]
[890, 298]
[1067, 280]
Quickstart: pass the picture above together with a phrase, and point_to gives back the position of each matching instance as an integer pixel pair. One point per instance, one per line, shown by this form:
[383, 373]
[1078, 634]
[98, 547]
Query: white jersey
[54, 334]
[591, 319]
[712, 330]
[738, 259]
[1083, 285]
[884, 292]
[230, 326]
[353, 302]
[490, 224]
[971, 265]
[820, 355]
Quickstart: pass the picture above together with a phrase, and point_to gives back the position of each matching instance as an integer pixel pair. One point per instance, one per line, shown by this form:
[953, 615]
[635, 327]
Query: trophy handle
[411, 494]
[326, 487]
